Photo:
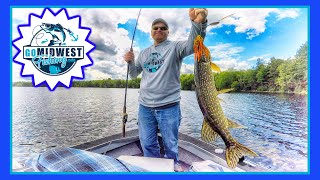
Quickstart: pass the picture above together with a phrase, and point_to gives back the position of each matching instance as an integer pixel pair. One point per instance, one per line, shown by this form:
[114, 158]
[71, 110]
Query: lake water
[277, 124]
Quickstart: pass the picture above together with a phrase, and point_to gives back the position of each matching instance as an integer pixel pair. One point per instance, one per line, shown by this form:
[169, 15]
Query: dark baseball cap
[160, 20]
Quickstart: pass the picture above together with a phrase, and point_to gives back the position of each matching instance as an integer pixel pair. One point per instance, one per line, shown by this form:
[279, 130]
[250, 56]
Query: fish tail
[235, 152]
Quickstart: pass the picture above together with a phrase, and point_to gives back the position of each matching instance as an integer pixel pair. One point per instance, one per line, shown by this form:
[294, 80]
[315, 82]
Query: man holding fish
[159, 96]
[160, 88]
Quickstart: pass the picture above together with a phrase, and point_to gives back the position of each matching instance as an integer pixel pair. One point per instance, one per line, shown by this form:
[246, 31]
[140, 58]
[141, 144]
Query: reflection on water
[277, 125]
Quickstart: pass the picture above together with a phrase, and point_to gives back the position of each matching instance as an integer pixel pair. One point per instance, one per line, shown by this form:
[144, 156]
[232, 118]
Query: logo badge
[53, 48]
[154, 62]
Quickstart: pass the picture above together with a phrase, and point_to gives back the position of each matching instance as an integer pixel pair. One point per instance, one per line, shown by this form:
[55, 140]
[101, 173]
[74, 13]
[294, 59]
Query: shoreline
[253, 91]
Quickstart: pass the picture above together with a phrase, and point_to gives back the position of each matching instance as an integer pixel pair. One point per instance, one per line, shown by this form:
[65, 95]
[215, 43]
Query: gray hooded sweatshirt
[161, 64]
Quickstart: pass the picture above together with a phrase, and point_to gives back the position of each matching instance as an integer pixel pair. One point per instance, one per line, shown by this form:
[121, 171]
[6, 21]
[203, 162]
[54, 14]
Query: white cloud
[232, 64]
[287, 13]
[263, 56]
[251, 21]
[227, 56]
[211, 33]
[112, 42]
[178, 20]
[187, 69]
[95, 74]
[225, 51]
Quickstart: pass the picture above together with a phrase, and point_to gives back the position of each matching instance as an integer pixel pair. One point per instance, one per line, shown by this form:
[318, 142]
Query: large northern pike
[215, 122]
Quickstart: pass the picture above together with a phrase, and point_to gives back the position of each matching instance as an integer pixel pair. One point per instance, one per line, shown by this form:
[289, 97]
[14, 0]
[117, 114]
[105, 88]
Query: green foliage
[187, 81]
[108, 83]
[224, 79]
[235, 85]
[273, 74]
[22, 84]
[293, 74]
[261, 74]
[290, 76]
[278, 75]
[248, 80]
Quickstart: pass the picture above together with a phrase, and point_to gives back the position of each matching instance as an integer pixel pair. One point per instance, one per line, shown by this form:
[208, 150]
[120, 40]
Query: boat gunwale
[198, 145]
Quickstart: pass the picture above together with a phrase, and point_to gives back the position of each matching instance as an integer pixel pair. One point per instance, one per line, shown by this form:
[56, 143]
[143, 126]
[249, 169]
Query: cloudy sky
[237, 42]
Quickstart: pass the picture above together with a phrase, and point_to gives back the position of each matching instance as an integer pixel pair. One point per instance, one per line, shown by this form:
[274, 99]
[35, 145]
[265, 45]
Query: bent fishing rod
[125, 115]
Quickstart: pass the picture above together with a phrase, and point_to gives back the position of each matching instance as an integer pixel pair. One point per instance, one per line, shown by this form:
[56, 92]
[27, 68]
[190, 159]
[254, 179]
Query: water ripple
[277, 125]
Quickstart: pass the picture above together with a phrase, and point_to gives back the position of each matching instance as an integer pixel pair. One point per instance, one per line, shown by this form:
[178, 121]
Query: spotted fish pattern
[215, 123]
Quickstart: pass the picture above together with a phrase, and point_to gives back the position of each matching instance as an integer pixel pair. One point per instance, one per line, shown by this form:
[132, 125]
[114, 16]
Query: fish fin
[225, 90]
[207, 133]
[215, 67]
[221, 100]
[235, 152]
[233, 124]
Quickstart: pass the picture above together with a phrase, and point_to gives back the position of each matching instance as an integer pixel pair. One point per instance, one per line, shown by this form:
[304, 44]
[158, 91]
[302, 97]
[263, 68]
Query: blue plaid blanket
[75, 160]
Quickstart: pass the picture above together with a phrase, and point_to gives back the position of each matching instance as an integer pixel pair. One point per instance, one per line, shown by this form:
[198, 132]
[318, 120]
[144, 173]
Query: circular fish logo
[53, 48]
[154, 62]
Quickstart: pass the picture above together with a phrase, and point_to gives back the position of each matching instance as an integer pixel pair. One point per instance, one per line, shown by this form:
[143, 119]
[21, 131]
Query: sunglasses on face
[163, 28]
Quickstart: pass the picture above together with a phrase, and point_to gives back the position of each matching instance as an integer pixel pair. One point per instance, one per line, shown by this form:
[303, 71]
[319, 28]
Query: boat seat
[149, 164]
[61, 159]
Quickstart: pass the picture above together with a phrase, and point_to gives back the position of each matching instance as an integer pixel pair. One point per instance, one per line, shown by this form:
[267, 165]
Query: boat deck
[191, 151]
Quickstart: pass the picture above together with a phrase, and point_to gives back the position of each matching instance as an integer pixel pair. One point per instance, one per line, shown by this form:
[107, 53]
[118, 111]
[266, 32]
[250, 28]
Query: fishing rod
[217, 22]
[125, 115]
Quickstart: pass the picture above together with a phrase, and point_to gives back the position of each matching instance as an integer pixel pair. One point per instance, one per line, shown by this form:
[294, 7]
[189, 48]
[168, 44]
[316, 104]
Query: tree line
[287, 76]
[279, 75]
[108, 83]
[105, 83]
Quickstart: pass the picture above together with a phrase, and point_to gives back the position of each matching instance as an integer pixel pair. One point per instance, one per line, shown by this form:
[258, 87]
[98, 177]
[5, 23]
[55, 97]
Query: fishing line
[217, 22]
[36, 34]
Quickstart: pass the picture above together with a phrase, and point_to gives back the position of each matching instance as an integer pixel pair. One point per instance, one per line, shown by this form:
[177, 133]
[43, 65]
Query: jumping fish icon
[56, 31]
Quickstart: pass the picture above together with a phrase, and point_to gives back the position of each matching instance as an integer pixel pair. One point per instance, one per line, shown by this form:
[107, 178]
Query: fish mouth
[198, 55]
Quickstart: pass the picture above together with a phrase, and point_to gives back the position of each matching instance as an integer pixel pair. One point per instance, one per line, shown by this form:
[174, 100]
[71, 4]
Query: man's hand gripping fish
[215, 122]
